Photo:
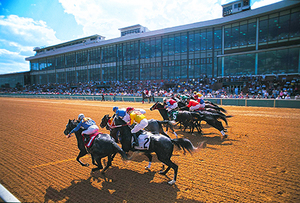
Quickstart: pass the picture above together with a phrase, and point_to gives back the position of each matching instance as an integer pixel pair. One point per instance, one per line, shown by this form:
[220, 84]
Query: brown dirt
[259, 162]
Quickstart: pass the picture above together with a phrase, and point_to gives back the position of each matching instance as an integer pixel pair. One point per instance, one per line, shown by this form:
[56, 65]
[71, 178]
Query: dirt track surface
[259, 162]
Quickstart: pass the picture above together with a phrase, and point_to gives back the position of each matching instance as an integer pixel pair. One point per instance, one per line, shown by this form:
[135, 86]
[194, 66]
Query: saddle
[89, 139]
[144, 140]
[200, 109]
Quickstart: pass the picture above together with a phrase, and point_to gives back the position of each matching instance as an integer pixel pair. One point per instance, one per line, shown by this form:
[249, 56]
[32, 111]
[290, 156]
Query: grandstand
[245, 42]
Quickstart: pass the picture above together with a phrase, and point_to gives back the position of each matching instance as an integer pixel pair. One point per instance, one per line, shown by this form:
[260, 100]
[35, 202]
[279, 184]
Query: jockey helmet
[115, 108]
[129, 109]
[80, 116]
[165, 99]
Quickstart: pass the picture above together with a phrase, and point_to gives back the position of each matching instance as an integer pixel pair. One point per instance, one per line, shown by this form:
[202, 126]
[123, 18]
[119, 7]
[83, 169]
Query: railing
[278, 103]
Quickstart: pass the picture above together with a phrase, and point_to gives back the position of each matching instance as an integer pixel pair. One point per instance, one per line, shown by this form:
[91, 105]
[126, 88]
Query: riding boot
[135, 140]
[86, 138]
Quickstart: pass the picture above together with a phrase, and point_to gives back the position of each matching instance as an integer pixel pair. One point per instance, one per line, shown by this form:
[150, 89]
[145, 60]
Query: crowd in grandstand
[227, 87]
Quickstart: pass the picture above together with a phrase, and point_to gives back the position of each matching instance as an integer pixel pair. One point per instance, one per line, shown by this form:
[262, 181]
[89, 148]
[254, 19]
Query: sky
[25, 24]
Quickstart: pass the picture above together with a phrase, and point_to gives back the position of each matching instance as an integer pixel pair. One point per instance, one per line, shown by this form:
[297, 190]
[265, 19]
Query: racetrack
[259, 162]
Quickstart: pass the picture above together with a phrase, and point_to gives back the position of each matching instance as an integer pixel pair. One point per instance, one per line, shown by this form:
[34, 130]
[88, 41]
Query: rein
[116, 126]
[154, 107]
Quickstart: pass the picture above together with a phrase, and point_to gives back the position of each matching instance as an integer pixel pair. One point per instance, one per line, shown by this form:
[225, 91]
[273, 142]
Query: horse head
[104, 121]
[71, 124]
[157, 106]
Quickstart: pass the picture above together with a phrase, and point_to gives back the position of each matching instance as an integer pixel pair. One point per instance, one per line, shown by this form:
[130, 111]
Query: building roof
[130, 27]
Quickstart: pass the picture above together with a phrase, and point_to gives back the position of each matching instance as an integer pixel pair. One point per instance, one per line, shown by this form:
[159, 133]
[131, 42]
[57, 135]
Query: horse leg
[218, 125]
[109, 160]
[81, 154]
[150, 160]
[173, 131]
[93, 160]
[98, 160]
[170, 165]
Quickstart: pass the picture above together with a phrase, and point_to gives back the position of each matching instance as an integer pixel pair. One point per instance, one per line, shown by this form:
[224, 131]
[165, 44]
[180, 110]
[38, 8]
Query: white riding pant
[126, 118]
[140, 126]
[193, 108]
[174, 106]
[91, 130]
[202, 105]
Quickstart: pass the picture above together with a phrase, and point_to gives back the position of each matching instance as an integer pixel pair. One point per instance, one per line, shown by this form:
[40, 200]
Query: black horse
[163, 146]
[183, 117]
[103, 146]
[208, 107]
[209, 117]
[154, 126]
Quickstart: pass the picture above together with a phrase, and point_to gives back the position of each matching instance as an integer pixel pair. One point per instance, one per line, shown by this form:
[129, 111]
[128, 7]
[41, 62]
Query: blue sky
[25, 24]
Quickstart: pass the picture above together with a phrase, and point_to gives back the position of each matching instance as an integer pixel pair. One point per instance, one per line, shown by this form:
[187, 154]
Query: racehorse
[183, 117]
[103, 146]
[147, 97]
[209, 106]
[163, 146]
[209, 117]
[154, 126]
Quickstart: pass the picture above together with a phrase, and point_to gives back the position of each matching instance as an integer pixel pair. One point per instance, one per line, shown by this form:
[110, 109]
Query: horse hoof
[171, 182]
[161, 173]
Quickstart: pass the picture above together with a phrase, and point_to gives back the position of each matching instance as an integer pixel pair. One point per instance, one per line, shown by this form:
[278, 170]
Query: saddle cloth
[91, 140]
[144, 141]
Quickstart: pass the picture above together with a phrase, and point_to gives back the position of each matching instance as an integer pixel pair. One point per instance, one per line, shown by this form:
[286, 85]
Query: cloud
[19, 36]
[262, 3]
[106, 17]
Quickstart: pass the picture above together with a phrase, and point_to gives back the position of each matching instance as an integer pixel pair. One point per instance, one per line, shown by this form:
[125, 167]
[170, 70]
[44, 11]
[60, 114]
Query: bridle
[154, 107]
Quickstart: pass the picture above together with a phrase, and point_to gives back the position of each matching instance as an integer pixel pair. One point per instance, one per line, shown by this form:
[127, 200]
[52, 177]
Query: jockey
[140, 119]
[122, 113]
[171, 104]
[87, 124]
[193, 105]
[201, 102]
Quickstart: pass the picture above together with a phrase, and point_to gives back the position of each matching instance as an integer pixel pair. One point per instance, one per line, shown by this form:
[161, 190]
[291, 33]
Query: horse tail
[224, 119]
[120, 151]
[220, 116]
[183, 143]
[223, 110]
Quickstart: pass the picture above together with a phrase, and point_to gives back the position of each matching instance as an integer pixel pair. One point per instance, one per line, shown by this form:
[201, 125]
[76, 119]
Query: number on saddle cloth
[144, 141]
[173, 115]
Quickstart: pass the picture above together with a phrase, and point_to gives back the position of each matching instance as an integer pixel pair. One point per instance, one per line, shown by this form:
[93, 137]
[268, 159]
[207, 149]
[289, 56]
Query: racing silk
[140, 110]
[111, 121]
[136, 116]
[170, 102]
[201, 101]
[85, 123]
[121, 112]
[192, 103]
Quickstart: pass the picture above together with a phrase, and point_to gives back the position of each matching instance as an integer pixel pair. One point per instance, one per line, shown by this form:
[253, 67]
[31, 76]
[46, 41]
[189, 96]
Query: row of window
[272, 62]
